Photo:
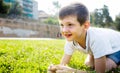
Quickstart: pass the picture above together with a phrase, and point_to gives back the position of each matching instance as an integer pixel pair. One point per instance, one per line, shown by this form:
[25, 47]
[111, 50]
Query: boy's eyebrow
[69, 23]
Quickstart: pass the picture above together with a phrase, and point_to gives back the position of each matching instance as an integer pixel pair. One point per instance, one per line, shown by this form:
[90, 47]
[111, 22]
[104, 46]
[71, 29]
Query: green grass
[34, 56]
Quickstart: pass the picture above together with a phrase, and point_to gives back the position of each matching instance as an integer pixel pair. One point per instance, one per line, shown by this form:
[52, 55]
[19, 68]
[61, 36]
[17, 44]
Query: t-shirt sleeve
[69, 49]
[100, 46]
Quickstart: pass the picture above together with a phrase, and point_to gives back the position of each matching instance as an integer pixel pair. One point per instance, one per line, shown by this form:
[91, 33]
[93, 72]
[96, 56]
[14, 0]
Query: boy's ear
[87, 24]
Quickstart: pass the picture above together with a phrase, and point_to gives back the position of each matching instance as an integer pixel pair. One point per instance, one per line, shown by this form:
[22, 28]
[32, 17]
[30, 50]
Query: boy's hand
[60, 69]
[53, 68]
[65, 69]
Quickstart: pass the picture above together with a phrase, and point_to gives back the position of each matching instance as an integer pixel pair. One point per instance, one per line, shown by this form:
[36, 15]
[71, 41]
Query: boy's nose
[65, 29]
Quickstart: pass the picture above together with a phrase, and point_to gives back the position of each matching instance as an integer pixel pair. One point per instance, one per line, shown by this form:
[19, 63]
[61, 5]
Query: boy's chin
[69, 39]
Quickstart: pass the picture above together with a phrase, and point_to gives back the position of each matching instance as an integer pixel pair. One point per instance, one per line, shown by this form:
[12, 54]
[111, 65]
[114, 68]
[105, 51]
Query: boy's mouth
[67, 35]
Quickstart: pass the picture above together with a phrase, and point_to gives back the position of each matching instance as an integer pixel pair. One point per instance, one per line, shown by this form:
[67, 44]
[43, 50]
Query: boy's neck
[82, 40]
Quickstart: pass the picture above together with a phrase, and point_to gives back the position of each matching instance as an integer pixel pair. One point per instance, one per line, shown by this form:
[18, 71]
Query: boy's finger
[52, 68]
[60, 71]
[51, 72]
[60, 67]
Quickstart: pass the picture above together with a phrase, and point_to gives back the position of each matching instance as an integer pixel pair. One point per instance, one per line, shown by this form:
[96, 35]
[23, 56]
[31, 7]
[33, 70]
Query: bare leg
[110, 64]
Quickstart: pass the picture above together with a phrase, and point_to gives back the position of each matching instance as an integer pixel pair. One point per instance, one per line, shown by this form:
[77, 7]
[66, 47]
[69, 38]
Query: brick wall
[19, 28]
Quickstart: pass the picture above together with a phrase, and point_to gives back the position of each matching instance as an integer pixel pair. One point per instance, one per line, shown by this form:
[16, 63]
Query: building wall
[28, 8]
[9, 1]
[16, 28]
[35, 10]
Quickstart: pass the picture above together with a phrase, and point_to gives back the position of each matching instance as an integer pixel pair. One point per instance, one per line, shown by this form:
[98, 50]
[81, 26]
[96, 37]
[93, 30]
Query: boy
[102, 45]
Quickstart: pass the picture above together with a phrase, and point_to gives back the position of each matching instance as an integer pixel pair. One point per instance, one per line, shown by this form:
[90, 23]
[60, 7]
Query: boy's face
[71, 28]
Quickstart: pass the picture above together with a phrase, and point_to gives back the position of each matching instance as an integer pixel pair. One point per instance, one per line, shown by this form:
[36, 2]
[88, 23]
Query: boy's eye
[61, 24]
[70, 24]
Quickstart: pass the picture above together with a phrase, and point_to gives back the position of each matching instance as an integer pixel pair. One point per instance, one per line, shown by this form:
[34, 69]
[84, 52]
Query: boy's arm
[90, 60]
[66, 59]
[100, 65]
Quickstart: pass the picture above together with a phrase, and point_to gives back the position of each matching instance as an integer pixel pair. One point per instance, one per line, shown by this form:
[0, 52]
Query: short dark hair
[77, 9]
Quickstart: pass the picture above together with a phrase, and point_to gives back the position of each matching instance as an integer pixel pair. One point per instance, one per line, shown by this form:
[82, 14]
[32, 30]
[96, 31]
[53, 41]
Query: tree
[91, 18]
[106, 17]
[16, 10]
[57, 6]
[52, 21]
[101, 17]
[117, 22]
[4, 8]
[98, 17]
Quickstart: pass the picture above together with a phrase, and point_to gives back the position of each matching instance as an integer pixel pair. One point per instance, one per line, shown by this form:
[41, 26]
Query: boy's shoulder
[97, 34]
[97, 30]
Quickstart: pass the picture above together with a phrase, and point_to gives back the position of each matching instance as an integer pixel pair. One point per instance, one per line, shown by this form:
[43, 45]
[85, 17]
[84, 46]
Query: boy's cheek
[62, 34]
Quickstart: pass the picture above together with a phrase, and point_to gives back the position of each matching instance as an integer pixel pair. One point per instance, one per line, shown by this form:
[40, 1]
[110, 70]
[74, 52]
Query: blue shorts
[115, 57]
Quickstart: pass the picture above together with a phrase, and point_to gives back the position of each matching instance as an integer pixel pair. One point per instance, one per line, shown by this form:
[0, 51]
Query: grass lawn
[34, 56]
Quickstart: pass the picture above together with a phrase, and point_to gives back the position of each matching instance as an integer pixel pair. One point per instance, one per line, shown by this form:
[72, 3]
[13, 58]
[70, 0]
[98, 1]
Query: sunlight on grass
[29, 55]
[34, 56]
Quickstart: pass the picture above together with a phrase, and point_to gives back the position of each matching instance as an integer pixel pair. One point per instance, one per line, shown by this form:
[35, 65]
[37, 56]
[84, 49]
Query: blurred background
[38, 19]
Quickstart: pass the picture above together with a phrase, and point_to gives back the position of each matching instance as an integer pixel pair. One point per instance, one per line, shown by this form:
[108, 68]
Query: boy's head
[74, 21]
[77, 9]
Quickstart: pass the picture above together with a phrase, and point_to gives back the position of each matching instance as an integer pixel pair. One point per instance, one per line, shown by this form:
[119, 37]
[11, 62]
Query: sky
[113, 5]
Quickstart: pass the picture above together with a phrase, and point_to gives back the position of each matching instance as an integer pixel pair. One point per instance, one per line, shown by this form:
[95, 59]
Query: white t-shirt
[99, 42]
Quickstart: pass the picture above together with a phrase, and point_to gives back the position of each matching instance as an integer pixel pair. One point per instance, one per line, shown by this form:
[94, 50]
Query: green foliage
[52, 21]
[101, 17]
[117, 22]
[16, 10]
[23, 56]
[78, 61]
[57, 6]
[34, 56]
[4, 8]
